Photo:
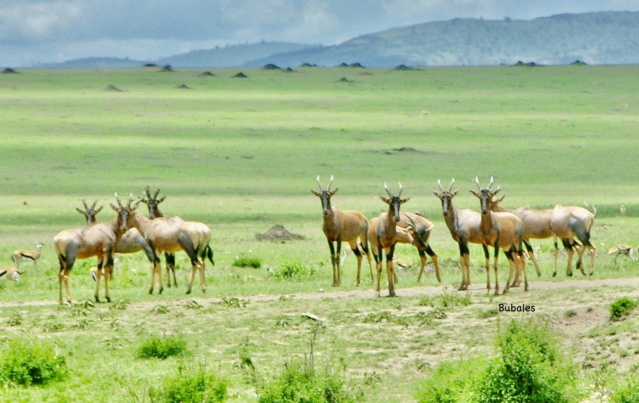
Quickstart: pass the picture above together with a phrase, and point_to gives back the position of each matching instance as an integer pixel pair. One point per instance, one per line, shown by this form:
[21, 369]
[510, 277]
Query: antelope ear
[402, 201]
[316, 193]
[473, 192]
[385, 200]
[161, 200]
[80, 211]
[98, 210]
[334, 191]
[435, 193]
[113, 207]
[455, 192]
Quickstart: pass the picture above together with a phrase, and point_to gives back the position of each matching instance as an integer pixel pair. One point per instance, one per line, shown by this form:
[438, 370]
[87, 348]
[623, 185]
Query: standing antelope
[152, 203]
[464, 226]
[568, 222]
[501, 230]
[172, 234]
[343, 226]
[384, 235]
[97, 239]
[33, 255]
[419, 228]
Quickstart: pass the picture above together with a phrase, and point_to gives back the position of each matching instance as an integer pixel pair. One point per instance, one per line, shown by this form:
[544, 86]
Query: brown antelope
[384, 235]
[343, 226]
[10, 273]
[22, 254]
[172, 234]
[97, 239]
[130, 242]
[622, 249]
[464, 226]
[419, 228]
[568, 222]
[152, 203]
[501, 230]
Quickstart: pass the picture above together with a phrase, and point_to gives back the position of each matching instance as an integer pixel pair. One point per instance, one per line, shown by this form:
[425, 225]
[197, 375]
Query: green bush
[628, 392]
[197, 386]
[33, 362]
[621, 308]
[530, 367]
[246, 261]
[296, 384]
[294, 271]
[451, 382]
[162, 347]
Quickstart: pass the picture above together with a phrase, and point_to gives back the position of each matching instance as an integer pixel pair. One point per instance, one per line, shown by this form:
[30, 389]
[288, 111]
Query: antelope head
[325, 194]
[125, 213]
[394, 201]
[446, 196]
[152, 202]
[89, 213]
[485, 195]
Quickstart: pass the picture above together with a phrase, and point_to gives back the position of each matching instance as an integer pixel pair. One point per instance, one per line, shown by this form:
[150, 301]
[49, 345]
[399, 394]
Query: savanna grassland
[242, 154]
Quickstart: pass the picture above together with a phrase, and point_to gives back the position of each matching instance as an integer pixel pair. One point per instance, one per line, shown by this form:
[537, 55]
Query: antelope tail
[208, 251]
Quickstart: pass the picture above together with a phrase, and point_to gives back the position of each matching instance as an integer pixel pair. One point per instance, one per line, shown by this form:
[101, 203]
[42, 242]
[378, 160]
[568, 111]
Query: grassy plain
[241, 155]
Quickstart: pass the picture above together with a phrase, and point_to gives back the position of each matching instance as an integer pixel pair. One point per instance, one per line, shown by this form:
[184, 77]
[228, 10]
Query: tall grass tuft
[622, 307]
[194, 386]
[162, 347]
[247, 261]
[32, 362]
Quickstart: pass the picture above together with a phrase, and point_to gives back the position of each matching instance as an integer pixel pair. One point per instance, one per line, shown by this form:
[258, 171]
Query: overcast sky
[39, 31]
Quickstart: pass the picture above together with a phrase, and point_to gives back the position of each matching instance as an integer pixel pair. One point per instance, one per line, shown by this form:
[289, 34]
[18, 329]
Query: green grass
[243, 155]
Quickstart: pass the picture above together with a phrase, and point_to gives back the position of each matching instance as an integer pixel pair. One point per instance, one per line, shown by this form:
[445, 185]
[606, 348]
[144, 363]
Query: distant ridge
[591, 38]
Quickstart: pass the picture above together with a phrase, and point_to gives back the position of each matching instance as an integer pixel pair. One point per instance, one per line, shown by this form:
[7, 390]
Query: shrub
[27, 363]
[297, 384]
[451, 382]
[530, 367]
[621, 308]
[162, 347]
[294, 271]
[246, 261]
[197, 386]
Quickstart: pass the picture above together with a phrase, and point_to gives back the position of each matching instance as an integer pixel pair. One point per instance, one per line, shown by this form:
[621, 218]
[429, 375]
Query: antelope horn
[452, 182]
[401, 188]
[94, 203]
[319, 183]
[85, 204]
[439, 183]
[147, 192]
[476, 182]
[329, 183]
[156, 193]
[490, 184]
[388, 190]
[118, 200]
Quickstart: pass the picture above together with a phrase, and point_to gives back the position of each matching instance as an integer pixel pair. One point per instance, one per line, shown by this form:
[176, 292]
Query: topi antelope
[22, 254]
[384, 236]
[10, 273]
[419, 228]
[130, 242]
[152, 203]
[172, 234]
[501, 230]
[568, 222]
[464, 226]
[97, 239]
[343, 226]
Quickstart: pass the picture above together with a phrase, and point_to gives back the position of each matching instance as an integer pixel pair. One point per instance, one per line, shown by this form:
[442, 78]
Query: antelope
[10, 273]
[384, 235]
[501, 230]
[419, 228]
[97, 239]
[622, 249]
[568, 222]
[343, 226]
[172, 234]
[130, 242]
[152, 203]
[21, 254]
[464, 226]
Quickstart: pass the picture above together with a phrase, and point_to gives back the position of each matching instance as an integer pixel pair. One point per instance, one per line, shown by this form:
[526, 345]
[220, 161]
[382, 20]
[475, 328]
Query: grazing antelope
[10, 273]
[97, 239]
[568, 222]
[21, 254]
[419, 228]
[343, 226]
[622, 249]
[384, 235]
[501, 230]
[152, 203]
[464, 226]
[172, 234]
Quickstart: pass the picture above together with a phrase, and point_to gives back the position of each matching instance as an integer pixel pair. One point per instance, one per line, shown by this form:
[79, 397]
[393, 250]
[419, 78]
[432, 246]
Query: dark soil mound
[112, 88]
[167, 68]
[278, 233]
[344, 80]
[183, 87]
[207, 74]
[9, 70]
[240, 75]
[271, 66]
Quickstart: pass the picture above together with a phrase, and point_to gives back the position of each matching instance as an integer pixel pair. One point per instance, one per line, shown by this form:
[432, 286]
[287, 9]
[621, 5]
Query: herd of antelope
[492, 227]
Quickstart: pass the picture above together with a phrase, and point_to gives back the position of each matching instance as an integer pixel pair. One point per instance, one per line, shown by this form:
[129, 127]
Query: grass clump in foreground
[33, 362]
[529, 367]
[193, 386]
[162, 347]
[248, 261]
[622, 307]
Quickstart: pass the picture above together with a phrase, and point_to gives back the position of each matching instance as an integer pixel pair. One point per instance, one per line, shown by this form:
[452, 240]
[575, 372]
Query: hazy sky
[38, 31]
